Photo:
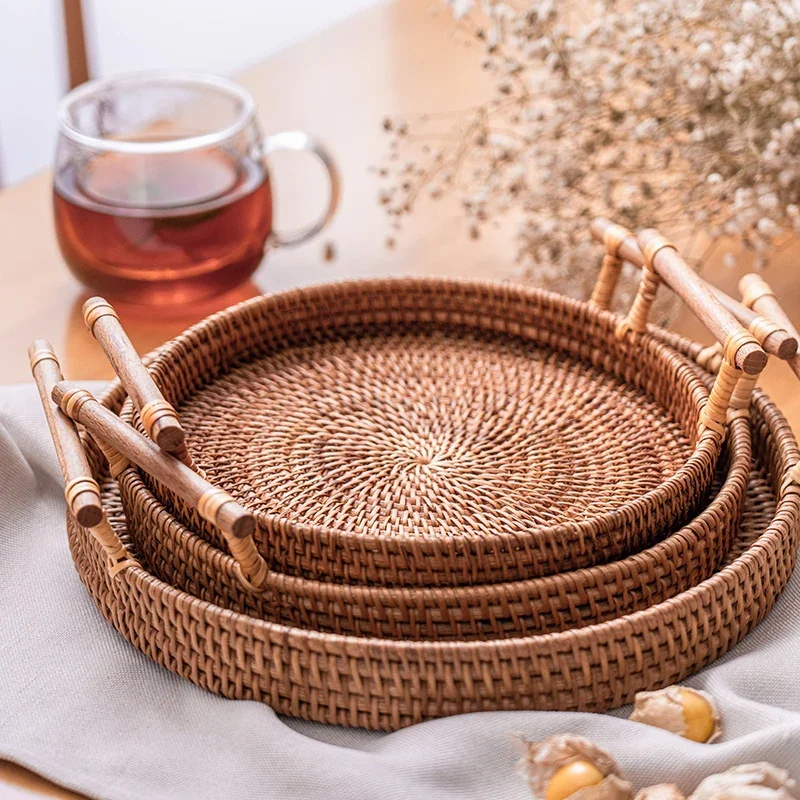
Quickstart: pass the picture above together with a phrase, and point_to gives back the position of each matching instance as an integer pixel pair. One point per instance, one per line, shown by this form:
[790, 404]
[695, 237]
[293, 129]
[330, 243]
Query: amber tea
[193, 226]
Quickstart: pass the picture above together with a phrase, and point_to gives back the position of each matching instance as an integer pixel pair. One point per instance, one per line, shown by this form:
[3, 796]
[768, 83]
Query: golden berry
[570, 778]
[698, 715]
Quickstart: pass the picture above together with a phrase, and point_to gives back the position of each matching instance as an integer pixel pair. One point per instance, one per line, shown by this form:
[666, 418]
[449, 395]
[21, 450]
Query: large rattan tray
[437, 433]
[387, 684]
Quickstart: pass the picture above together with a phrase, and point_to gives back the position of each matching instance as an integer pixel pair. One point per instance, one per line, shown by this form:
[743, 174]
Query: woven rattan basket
[437, 433]
[388, 684]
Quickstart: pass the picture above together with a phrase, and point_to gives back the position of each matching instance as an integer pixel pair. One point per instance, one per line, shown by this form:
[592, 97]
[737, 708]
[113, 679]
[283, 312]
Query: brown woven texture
[425, 432]
[492, 611]
[388, 684]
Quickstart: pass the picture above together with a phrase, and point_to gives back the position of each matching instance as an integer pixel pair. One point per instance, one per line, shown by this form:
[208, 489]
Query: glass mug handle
[301, 141]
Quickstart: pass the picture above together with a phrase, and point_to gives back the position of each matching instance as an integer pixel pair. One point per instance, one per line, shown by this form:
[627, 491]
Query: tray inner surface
[431, 433]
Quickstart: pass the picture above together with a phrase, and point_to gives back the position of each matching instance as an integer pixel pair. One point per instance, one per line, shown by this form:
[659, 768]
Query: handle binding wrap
[754, 290]
[117, 463]
[740, 399]
[251, 567]
[762, 328]
[607, 281]
[636, 320]
[156, 410]
[78, 486]
[117, 553]
[714, 413]
[94, 309]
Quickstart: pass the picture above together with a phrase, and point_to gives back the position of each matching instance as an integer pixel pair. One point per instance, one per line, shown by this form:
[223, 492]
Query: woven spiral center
[390, 435]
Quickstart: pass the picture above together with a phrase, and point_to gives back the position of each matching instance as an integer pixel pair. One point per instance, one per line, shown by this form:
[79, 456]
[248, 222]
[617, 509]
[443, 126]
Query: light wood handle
[775, 339]
[159, 418]
[682, 279]
[694, 292]
[82, 491]
[214, 505]
[757, 294]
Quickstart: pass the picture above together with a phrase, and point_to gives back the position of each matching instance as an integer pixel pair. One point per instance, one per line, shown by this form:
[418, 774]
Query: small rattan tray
[388, 684]
[426, 433]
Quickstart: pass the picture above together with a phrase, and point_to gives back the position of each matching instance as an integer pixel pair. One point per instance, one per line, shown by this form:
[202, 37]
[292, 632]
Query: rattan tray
[428, 432]
[490, 611]
[559, 602]
[388, 684]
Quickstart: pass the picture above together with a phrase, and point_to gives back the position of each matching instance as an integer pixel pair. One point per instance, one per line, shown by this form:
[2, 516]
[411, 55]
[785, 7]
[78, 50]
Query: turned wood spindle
[82, 491]
[611, 268]
[758, 295]
[214, 505]
[775, 339]
[159, 418]
[692, 289]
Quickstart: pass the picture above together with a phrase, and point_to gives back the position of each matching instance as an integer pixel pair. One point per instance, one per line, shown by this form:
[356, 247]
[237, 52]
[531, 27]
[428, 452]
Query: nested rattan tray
[388, 684]
[490, 611]
[559, 602]
[437, 433]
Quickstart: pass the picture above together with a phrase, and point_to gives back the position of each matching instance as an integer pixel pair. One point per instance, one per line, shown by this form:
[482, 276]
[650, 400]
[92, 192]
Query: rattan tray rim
[143, 576]
[651, 557]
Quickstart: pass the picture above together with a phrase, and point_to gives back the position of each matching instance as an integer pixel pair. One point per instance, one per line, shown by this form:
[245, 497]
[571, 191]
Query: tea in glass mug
[161, 189]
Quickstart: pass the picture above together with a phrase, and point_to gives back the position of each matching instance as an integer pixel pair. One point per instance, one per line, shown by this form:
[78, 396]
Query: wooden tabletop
[393, 59]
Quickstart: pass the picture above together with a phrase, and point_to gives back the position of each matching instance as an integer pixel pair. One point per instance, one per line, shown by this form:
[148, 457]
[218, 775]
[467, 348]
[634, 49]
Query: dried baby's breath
[683, 114]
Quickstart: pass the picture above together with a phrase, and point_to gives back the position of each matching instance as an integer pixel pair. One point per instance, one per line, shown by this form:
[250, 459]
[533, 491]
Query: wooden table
[393, 59]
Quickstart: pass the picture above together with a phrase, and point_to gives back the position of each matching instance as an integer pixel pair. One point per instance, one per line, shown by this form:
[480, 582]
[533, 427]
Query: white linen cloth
[82, 707]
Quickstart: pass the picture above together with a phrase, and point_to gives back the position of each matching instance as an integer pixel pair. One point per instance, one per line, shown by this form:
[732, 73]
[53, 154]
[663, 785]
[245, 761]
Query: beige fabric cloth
[81, 706]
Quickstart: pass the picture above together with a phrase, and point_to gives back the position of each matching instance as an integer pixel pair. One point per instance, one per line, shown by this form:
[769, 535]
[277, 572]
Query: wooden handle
[757, 294]
[682, 279]
[774, 338]
[82, 491]
[159, 418]
[692, 289]
[214, 505]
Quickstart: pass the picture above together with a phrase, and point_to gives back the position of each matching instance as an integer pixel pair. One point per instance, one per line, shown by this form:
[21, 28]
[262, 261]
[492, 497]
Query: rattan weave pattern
[490, 611]
[387, 684]
[426, 432]
[423, 435]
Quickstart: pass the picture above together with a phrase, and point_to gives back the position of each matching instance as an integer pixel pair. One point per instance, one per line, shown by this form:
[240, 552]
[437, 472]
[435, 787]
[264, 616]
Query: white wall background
[32, 79]
[128, 35]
